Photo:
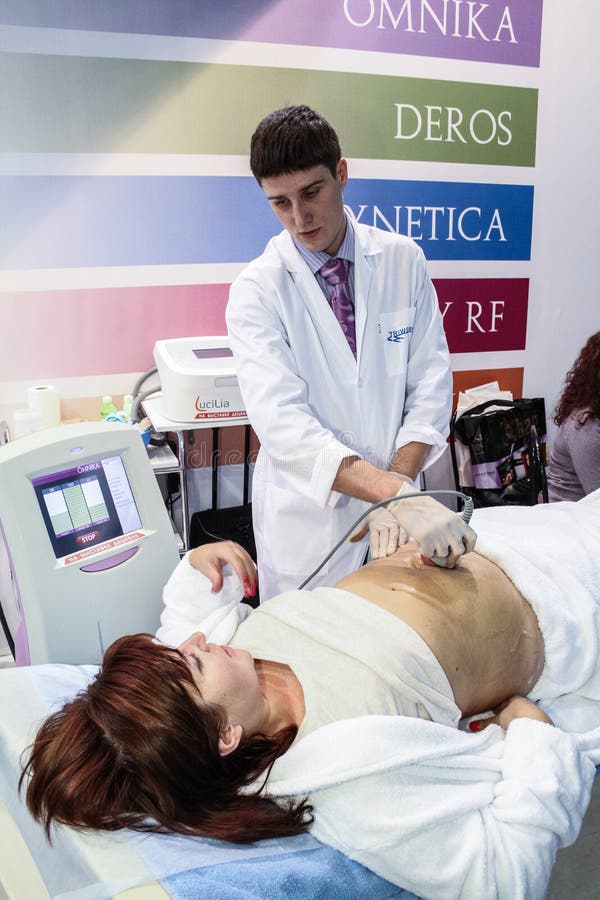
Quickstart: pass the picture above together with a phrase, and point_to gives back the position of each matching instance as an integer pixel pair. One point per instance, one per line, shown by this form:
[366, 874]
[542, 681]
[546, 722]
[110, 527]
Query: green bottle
[107, 406]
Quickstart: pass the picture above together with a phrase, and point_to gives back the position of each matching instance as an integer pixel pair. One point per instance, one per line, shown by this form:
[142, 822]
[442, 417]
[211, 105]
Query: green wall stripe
[96, 105]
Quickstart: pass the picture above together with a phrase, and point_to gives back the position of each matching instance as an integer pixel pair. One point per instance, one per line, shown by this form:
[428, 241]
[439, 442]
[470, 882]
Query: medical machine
[86, 543]
[198, 379]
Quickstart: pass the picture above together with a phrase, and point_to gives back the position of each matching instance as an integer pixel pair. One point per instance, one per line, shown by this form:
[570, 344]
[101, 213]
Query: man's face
[309, 204]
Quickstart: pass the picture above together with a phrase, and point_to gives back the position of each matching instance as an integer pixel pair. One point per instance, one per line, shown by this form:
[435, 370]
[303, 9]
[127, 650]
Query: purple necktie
[335, 272]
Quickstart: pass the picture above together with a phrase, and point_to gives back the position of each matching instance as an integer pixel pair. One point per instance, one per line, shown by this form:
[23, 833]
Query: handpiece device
[467, 512]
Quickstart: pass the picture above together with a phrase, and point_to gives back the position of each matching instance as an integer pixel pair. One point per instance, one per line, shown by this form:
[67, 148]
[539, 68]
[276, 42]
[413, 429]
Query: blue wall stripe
[63, 221]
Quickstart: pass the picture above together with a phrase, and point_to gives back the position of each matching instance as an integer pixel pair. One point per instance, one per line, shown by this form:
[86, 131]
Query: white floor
[576, 874]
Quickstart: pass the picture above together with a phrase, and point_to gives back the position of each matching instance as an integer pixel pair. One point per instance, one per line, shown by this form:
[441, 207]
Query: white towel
[551, 552]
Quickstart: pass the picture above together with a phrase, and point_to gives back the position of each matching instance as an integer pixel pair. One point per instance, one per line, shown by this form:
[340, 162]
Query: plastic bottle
[127, 404]
[107, 406]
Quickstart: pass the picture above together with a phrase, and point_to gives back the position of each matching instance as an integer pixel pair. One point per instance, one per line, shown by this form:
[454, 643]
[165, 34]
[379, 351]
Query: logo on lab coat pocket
[398, 334]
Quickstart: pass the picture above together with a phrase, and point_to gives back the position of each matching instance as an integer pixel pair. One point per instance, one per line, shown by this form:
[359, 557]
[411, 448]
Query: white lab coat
[312, 404]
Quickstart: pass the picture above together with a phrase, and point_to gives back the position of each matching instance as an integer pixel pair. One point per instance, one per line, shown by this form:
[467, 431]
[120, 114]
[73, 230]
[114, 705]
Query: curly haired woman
[574, 469]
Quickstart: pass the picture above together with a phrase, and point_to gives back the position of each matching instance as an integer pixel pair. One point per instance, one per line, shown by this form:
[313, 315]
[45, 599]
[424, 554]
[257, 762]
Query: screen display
[212, 353]
[87, 504]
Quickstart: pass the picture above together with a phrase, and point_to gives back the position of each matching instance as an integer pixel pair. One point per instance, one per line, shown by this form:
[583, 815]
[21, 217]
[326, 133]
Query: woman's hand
[515, 708]
[210, 559]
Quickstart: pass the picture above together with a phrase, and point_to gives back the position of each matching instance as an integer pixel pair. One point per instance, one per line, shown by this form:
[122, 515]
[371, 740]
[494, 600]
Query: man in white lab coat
[344, 414]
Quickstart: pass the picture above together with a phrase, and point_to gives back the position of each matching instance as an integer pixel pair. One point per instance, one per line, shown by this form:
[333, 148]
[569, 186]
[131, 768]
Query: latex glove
[385, 534]
[377, 522]
[438, 531]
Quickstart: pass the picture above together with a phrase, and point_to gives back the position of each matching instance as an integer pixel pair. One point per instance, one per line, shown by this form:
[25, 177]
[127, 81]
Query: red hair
[139, 749]
[582, 385]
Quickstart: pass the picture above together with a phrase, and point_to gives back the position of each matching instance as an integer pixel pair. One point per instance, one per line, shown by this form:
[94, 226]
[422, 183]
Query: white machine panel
[86, 544]
[198, 379]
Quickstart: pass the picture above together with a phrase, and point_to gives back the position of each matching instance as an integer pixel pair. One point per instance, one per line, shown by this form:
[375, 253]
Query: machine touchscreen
[86, 505]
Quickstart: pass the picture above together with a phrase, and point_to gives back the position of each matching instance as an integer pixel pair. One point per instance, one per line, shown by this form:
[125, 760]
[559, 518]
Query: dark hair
[137, 749]
[582, 385]
[290, 139]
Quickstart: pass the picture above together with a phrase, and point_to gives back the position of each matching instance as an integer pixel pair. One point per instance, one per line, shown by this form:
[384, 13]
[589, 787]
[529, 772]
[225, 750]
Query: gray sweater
[574, 468]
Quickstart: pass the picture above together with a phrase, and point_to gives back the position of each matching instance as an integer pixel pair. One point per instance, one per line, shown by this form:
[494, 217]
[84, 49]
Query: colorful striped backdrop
[126, 198]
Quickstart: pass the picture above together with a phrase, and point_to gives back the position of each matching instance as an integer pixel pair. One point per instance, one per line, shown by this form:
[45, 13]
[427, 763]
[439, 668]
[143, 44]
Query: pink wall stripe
[60, 334]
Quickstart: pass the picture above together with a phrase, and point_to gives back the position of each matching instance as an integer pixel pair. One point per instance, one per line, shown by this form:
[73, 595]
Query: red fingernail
[475, 726]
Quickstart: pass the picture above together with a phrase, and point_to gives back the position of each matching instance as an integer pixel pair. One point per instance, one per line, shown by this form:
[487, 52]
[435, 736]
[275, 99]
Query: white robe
[445, 813]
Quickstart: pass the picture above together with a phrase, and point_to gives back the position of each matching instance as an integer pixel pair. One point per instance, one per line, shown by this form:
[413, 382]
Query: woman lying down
[338, 710]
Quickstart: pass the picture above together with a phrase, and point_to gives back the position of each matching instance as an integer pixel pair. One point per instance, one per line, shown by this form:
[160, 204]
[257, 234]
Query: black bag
[231, 523]
[507, 451]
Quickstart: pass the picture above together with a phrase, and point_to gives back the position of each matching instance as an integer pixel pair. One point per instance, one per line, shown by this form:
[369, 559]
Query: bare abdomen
[480, 628]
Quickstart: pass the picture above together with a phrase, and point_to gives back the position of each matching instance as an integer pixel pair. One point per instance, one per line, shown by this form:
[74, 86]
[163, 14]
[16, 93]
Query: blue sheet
[318, 874]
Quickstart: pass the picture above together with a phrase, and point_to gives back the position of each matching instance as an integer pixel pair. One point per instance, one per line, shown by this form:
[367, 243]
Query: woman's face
[227, 677]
